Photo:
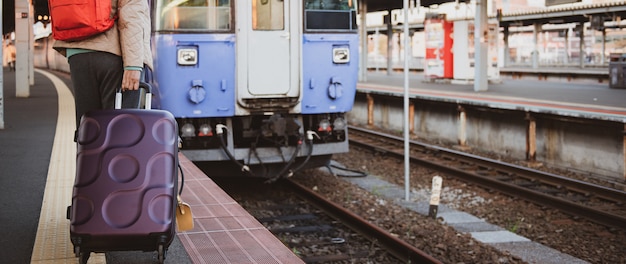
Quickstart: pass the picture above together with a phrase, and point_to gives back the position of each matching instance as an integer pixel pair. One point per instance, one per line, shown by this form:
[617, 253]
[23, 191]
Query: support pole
[407, 155]
[363, 36]
[31, 44]
[22, 35]
[376, 47]
[507, 52]
[1, 79]
[389, 44]
[370, 110]
[481, 39]
[603, 56]
[581, 45]
[531, 139]
[567, 46]
[535, 54]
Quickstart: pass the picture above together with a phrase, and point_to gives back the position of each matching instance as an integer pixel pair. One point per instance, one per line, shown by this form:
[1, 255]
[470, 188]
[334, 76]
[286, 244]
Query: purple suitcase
[124, 195]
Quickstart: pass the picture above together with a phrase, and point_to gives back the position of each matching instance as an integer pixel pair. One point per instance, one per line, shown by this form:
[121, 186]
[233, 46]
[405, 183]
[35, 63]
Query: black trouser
[95, 78]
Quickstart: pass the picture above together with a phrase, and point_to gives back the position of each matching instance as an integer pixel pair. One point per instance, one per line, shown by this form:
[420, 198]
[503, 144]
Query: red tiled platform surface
[223, 231]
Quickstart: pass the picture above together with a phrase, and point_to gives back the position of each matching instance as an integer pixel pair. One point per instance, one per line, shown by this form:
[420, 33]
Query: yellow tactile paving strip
[52, 244]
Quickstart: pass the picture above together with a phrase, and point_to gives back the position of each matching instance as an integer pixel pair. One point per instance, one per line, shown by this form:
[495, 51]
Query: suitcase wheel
[76, 251]
[83, 257]
[161, 252]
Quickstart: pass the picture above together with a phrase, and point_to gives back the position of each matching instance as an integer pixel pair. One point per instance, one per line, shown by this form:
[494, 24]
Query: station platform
[569, 98]
[38, 167]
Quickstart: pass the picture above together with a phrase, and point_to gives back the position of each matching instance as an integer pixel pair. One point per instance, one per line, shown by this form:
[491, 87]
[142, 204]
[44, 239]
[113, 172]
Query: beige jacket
[129, 37]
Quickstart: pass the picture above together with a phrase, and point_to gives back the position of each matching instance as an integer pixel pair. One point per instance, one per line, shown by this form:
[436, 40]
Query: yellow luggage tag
[184, 218]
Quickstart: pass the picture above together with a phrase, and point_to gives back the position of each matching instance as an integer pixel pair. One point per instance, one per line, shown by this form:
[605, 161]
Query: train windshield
[193, 15]
[330, 15]
[268, 15]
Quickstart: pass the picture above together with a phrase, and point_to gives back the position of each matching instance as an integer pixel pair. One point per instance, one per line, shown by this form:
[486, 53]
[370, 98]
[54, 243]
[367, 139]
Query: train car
[258, 87]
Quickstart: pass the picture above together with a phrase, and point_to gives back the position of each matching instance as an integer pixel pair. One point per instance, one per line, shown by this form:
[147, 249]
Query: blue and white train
[258, 87]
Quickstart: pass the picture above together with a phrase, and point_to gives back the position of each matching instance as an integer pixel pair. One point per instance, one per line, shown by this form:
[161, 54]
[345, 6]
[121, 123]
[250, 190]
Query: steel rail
[572, 208]
[397, 247]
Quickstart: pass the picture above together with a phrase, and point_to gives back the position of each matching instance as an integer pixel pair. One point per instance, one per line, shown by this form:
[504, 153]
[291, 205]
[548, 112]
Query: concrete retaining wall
[581, 144]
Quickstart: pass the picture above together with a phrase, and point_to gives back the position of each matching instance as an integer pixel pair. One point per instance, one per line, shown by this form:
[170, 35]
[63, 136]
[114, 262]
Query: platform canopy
[596, 13]
[382, 5]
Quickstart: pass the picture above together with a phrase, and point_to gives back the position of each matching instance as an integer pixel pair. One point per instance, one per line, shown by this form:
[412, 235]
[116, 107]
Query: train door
[265, 48]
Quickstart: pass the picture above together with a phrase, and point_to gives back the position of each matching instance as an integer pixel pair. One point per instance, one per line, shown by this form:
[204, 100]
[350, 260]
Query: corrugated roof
[570, 13]
[382, 5]
[569, 8]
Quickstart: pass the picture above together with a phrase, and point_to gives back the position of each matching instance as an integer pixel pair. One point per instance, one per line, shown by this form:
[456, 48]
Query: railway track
[318, 230]
[596, 203]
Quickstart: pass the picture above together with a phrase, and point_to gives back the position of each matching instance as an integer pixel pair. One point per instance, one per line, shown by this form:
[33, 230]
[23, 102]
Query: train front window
[193, 15]
[330, 15]
[268, 15]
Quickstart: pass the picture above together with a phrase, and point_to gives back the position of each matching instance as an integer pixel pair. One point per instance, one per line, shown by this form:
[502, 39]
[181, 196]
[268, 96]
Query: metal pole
[1, 76]
[407, 172]
[363, 58]
[389, 44]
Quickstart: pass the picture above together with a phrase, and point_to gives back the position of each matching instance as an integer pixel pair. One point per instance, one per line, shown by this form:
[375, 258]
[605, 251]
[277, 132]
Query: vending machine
[439, 57]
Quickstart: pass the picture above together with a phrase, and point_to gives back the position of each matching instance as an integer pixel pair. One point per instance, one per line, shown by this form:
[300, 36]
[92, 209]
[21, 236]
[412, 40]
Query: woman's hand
[130, 80]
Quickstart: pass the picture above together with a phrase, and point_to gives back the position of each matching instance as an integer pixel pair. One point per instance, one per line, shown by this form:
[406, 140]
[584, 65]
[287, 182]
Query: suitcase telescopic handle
[145, 86]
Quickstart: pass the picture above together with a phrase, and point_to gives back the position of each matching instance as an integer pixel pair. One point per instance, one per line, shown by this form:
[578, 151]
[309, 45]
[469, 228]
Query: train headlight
[187, 130]
[339, 124]
[341, 55]
[324, 125]
[187, 56]
[205, 130]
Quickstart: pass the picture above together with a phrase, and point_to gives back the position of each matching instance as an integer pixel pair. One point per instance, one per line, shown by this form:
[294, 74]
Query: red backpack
[79, 19]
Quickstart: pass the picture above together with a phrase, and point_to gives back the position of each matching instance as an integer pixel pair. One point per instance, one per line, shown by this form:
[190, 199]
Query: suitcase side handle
[142, 85]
